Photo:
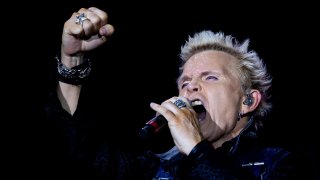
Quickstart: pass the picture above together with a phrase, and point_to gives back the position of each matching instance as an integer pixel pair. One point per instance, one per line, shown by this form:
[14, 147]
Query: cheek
[225, 98]
[181, 93]
[223, 111]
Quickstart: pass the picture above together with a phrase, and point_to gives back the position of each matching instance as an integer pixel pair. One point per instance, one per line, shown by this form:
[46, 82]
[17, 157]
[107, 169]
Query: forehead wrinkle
[197, 65]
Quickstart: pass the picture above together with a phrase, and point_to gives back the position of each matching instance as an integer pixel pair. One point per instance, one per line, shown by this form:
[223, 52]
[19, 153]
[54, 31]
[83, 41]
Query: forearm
[68, 94]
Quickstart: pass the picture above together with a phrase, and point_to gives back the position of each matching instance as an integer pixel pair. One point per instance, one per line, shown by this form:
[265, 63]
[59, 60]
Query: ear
[250, 101]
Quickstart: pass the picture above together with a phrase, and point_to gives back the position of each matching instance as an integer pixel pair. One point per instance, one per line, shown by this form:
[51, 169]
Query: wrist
[77, 74]
[199, 150]
[72, 61]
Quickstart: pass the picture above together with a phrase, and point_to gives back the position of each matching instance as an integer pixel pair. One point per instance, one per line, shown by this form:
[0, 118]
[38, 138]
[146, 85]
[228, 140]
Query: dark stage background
[139, 63]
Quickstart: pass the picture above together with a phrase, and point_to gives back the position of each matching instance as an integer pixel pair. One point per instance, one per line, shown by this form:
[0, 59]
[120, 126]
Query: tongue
[201, 116]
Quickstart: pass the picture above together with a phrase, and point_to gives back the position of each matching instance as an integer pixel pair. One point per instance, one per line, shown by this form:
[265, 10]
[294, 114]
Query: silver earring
[239, 115]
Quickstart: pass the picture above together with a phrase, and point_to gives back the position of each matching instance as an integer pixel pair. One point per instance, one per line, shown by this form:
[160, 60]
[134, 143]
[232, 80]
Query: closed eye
[211, 77]
[184, 85]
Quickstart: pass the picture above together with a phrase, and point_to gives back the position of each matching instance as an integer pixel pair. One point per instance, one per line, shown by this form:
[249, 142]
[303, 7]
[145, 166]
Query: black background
[139, 63]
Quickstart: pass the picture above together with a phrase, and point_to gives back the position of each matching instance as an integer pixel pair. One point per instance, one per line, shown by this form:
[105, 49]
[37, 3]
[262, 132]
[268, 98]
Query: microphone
[153, 126]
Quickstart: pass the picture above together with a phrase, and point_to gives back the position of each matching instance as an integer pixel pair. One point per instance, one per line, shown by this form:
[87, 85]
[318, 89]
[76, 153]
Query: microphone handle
[152, 127]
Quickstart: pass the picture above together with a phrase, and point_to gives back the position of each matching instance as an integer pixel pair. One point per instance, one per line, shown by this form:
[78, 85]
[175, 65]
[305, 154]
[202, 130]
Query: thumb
[106, 30]
[100, 38]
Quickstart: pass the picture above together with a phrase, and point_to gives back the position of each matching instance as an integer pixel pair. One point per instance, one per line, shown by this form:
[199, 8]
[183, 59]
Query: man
[219, 74]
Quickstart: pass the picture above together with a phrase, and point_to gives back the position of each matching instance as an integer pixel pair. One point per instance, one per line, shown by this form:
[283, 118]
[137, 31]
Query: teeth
[196, 102]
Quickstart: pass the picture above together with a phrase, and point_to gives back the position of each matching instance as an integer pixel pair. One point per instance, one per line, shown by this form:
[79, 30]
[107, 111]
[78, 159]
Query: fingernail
[152, 104]
[103, 31]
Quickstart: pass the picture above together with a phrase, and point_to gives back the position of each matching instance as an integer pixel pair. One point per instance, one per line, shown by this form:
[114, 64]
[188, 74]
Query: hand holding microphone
[153, 126]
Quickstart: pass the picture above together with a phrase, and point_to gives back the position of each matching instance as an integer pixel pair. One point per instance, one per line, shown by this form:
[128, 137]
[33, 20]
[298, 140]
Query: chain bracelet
[81, 71]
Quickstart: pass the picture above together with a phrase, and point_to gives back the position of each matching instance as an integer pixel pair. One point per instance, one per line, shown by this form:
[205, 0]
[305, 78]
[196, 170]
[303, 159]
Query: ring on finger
[81, 18]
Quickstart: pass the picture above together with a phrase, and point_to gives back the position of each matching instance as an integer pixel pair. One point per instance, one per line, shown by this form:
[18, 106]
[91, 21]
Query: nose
[193, 86]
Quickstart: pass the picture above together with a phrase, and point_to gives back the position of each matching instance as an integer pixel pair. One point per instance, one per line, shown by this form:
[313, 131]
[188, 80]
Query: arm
[77, 39]
[81, 143]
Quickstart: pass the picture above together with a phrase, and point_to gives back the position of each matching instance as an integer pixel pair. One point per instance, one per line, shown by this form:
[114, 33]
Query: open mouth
[199, 109]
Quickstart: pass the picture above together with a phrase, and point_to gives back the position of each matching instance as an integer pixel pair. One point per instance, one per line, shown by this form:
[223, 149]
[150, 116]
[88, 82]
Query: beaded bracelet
[75, 75]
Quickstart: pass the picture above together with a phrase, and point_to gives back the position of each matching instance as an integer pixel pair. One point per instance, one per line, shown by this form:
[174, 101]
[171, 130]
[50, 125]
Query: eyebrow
[182, 79]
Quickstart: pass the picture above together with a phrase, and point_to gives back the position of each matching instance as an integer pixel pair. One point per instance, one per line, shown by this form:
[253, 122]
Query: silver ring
[180, 104]
[80, 18]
